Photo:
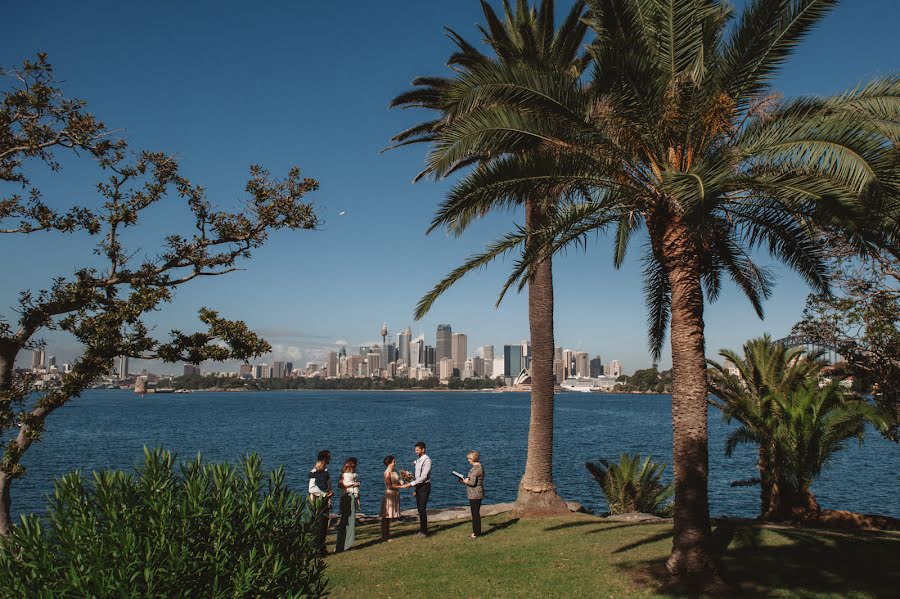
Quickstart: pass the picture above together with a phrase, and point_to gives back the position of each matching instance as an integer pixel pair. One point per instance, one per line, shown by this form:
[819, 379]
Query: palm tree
[677, 132]
[765, 370]
[526, 39]
[633, 484]
[806, 427]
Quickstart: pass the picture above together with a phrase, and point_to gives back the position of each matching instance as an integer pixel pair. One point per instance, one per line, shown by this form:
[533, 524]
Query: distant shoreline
[407, 390]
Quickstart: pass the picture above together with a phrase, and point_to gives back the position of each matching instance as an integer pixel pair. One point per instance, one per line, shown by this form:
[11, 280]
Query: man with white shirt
[422, 485]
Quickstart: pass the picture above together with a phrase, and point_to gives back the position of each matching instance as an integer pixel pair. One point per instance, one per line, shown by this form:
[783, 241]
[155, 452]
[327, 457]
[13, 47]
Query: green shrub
[633, 485]
[198, 530]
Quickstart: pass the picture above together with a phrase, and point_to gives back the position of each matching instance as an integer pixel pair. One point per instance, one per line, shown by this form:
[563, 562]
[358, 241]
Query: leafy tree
[103, 305]
[633, 485]
[861, 321]
[524, 39]
[204, 530]
[676, 132]
[764, 371]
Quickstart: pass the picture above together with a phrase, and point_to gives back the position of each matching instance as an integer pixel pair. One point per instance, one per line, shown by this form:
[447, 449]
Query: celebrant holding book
[475, 490]
[421, 484]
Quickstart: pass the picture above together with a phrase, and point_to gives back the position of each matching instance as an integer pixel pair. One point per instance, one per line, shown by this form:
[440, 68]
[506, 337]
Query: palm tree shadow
[433, 530]
[499, 526]
[805, 563]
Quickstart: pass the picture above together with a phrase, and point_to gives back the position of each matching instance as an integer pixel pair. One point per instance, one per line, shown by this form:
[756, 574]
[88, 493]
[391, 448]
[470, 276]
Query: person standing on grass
[390, 503]
[349, 504]
[320, 498]
[422, 485]
[475, 490]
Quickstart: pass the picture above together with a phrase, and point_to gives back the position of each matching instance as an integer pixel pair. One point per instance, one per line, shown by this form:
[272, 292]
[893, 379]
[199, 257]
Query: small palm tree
[633, 485]
[806, 427]
[764, 370]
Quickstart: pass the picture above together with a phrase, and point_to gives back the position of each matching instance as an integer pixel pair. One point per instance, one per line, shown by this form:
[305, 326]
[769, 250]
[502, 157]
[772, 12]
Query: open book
[457, 474]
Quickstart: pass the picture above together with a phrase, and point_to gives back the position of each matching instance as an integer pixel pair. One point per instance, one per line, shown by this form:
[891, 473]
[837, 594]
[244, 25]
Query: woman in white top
[349, 484]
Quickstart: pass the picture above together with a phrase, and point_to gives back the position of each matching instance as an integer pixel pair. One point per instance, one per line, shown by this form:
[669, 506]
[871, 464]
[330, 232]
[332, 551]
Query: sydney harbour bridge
[829, 353]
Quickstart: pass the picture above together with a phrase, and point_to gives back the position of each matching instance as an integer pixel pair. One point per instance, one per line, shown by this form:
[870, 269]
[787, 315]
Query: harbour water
[108, 429]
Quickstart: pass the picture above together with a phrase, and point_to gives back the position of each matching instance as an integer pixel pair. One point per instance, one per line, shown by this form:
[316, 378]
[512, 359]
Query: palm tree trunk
[691, 546]
[537, 493]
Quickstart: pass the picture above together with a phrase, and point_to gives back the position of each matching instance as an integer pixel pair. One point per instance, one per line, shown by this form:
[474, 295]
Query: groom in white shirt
[422, 485]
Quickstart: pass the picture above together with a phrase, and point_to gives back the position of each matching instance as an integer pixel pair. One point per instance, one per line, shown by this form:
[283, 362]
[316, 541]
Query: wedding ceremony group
[239, 192]
[321, 493]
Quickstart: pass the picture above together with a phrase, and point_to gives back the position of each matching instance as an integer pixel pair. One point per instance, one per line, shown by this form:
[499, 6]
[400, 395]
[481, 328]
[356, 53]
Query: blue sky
[226, 84]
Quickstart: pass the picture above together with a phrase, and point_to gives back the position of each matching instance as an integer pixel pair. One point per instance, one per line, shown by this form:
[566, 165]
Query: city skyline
[213, 125]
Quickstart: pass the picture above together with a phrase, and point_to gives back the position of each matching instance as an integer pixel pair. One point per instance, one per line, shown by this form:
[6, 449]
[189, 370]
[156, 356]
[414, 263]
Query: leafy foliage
[633, 485]
[201, 530]
[103, 306]
[861, 321]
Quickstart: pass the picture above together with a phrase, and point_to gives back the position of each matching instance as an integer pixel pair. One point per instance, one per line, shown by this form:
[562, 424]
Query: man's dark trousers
[422, 493]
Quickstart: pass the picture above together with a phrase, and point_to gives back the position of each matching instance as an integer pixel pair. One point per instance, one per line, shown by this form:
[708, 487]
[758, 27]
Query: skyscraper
[331, 365]
[596, 366]
[526, 354]
[123, 368]
[373, 363]
[429, 358]
[277, 370]
[568, 359]
[582, 364]
[417, 351]
[403, 346]
[443, 346]
[512, 360]
[458, 350]
[445, 368]
[615, 368]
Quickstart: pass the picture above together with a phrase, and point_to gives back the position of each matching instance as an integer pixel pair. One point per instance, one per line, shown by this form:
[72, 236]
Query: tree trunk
[692, 554]
[537, 493]
[765, 481]
[7, 360]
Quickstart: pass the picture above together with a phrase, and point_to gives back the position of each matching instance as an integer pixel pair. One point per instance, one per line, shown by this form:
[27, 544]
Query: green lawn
[582, 556]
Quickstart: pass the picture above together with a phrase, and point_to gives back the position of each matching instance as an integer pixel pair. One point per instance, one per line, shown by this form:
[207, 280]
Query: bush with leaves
[198, 530]
[633, 485]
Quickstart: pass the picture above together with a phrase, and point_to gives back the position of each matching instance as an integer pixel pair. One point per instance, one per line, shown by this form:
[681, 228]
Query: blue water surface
[108, 429]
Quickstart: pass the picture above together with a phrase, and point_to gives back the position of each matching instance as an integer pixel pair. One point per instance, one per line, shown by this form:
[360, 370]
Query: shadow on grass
[804, 563]
[373, 537]
[499, 526]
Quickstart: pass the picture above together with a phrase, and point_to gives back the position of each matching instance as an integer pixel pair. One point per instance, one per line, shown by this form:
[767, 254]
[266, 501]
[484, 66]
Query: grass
[582, 556]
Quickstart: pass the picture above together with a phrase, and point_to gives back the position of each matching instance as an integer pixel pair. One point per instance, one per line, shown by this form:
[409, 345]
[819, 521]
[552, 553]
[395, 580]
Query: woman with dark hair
[390, 503]
[349, 484]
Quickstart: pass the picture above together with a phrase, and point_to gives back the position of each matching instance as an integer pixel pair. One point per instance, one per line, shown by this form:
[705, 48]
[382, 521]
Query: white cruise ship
[589, 384]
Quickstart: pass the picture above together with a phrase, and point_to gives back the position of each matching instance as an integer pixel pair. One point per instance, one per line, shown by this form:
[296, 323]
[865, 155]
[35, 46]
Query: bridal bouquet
[406, 476]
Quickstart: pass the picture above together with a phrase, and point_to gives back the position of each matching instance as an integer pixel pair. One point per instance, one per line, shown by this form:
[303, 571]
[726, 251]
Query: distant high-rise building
[288, 368]
[277, 370]
[67, 368]
[596, 366]
[364, 350]
[37, 359]
[512, 360]
[468, 371]
[478, 367]
[487, 352]
[245, 371]
[123, 367]
[443, 345]
[343, 352]
[526, 354]
[498, 368]
[403, 340]
[191, 370]
[356, 366]
[446, 367]
[51, 362]
[258, 371]
[568, 358]
[582, 364]
[615, 368]
[388, 354]
[557, 353]
[331, 365]
[559, 371]
[459, 350]
[373, 363]
[430, 358]
[417, 351]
